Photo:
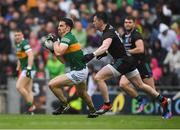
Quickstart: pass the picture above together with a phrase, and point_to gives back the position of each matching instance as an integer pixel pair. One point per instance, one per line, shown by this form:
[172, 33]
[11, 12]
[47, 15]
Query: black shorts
[144, 70]
[124, 65]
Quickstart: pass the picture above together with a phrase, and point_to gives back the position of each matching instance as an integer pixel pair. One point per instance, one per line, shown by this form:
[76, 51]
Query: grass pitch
[81, 122]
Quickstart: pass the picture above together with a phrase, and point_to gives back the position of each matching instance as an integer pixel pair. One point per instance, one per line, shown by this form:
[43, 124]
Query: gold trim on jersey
[21, 54]
[73, 48]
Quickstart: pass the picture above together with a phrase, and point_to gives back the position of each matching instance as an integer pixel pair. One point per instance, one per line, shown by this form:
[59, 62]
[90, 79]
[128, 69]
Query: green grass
[81, 122]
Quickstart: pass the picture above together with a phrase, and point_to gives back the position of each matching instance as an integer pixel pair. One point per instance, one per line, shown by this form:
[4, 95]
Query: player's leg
[125, 84]
[73, 77]
[137, 81]
[81, 89]
[21, 87]
[149, 81]
[105, 73]
[55, 85]
[146, 74]
[29, 89]
[30, 105]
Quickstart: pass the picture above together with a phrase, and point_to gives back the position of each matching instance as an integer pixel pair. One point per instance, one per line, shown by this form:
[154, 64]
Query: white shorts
[23, 73]
[78, 76]
[128, 75]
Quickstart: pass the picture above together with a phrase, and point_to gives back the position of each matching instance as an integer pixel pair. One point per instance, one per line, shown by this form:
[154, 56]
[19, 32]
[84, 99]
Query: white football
[48, 44]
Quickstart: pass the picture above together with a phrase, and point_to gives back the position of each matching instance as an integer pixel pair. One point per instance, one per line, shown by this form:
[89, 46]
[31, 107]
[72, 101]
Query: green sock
[29, 104]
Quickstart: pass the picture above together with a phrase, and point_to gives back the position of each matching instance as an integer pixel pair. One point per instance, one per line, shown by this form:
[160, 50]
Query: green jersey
[21, 49]
[73, 54]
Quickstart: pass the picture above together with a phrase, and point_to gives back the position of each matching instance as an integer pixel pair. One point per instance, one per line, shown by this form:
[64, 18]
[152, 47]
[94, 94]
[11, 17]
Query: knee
[18, 87]
[98, 78]
[50, 85]
[123, 84]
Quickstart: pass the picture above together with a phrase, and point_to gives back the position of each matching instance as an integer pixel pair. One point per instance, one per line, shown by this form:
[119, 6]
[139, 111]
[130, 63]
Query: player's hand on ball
[49, 42]
[52, 37]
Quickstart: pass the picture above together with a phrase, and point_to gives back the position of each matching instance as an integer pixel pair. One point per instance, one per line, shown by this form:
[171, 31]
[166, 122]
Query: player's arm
[139, 47]
[59, 50]
[18, 65]
[30, 58]
[104, 47]
[101, 50]
[30, 62]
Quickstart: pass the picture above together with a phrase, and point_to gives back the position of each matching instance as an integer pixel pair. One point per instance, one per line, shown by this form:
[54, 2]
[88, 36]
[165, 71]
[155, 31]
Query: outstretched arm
[104, 47]
[101, 50]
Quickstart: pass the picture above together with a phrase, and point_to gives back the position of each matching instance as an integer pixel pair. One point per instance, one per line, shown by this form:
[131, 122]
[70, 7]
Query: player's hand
[28, 72]
[88, 57]
[49, 41]
[52, 37]
[101, 56]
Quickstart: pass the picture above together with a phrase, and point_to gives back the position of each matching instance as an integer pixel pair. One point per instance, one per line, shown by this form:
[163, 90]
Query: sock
[160, 98]
[107, 103]
[139, 98]
[29, 104]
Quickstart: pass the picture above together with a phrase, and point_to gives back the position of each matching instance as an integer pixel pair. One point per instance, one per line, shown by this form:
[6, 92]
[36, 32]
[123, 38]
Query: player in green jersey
[27, 69]
[68, 51]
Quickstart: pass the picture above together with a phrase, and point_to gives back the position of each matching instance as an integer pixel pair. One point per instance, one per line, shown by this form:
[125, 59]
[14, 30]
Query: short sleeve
[65, 41]
[137, 36]
[26, 46]
[109, 34]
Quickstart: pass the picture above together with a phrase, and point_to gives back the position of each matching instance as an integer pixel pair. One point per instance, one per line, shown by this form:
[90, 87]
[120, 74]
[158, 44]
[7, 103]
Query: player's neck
[129, 31]
[103, 27]
[64, 34]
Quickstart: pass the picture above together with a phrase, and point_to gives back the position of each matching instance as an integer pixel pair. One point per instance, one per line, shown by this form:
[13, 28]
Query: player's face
[129, 24]
[97, 23]
[18, 37]
[62, 28]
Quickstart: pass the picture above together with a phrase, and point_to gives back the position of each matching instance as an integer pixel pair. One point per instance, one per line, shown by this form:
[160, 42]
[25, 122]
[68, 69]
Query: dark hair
[131, 18]
[18, 30]
[68, 22]
[102, 16]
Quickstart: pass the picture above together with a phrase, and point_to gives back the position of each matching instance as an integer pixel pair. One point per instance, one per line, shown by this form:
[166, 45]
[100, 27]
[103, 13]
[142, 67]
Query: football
[49, 44]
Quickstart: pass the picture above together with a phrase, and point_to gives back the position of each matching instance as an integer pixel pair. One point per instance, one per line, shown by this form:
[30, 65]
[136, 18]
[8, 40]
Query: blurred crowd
[157, 20]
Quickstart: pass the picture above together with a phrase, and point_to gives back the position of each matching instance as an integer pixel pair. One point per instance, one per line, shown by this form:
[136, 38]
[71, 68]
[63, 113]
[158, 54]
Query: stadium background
[37, 18]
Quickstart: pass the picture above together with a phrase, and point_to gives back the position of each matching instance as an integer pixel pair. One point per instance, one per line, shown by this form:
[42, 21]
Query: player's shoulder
[109, 31]
[69, 37]
[24, 42]
[65, 39]
[110, 28]
[136, 32]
